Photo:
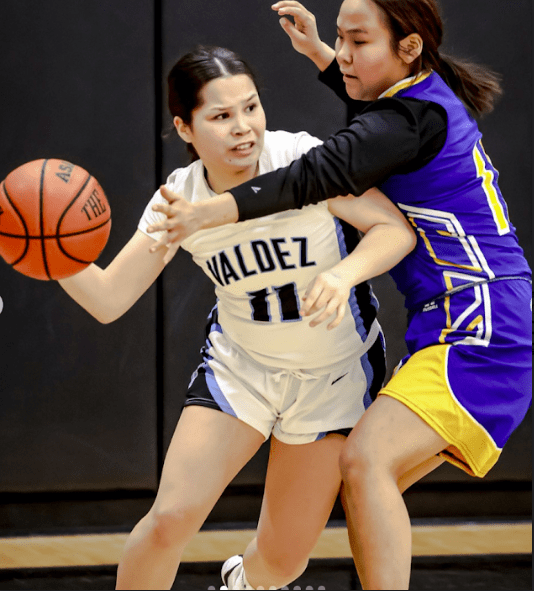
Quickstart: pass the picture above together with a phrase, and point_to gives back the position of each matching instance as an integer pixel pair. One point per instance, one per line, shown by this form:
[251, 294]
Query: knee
[283, 564]
[354, 460]
[360, 463]
[364, 464]
[172, 527]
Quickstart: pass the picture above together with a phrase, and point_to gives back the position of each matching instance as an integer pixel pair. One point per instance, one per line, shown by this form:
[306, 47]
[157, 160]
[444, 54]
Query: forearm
[108, 293]
[362, 156]
[217, 211]
[323, 56]
[93, 293]
[380, 249]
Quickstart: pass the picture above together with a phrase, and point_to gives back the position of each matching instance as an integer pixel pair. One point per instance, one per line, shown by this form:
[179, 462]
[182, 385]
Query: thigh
[301, 488]
[393, 437]
[208, 449]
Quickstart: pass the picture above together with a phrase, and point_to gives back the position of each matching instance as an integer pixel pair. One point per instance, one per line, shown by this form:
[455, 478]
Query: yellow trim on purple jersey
[406, 83]
[442, 261]
[455, 205]
[422, 384]
[497, 207]
[464, 317]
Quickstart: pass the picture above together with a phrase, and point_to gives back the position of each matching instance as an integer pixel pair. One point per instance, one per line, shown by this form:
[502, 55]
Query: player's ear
[411, 48]
[184, 130]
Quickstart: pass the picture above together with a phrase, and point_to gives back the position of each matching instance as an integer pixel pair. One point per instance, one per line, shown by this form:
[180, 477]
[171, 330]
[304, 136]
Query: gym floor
[447, 555]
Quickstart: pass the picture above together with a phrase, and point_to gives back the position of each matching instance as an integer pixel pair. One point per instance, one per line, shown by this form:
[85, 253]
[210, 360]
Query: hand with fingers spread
[328, 292]
[303, 34]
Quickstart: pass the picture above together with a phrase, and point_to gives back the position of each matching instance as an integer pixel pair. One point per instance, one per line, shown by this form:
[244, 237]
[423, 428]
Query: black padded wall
[86, 407]
[78, 399]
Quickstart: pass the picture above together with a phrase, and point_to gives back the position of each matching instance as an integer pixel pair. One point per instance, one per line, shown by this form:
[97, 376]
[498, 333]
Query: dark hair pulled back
[193, 71]
[477, 86]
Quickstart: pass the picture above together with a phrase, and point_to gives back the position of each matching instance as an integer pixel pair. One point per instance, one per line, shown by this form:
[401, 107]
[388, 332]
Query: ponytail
[476, 86]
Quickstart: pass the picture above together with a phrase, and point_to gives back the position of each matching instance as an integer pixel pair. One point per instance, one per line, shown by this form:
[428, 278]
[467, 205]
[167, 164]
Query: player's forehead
[228, 91]
[360, 16]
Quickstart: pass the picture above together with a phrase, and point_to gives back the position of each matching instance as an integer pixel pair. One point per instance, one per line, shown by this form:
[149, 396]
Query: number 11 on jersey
[288, 303]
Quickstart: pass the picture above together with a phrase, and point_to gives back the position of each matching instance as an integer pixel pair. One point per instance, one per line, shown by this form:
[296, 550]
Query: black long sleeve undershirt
[389, 136]
[333, 78]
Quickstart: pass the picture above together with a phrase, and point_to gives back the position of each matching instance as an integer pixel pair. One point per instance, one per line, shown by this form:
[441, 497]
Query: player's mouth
[244, 149]
[348, 77]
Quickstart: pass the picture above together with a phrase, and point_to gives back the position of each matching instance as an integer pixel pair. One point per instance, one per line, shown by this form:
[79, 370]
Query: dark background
[87, 410]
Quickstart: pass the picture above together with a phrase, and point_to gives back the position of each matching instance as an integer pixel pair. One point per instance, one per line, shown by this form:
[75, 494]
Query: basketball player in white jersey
[270, 367]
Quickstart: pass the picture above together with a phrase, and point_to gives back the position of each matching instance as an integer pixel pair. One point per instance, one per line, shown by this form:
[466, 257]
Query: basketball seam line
[72, 202]
[63, 216]
[41, 219]
[23, 222]
[52, 236]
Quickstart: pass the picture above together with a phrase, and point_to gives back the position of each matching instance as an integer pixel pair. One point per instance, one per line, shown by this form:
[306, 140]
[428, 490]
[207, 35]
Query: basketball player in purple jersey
[466, 383]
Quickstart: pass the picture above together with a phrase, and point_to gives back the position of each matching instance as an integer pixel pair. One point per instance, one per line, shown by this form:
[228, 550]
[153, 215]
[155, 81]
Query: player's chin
[245, 158]
[354, 91]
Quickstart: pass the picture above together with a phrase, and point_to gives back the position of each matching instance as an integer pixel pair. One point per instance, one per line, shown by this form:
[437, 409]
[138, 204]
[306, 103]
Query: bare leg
[208, 449]
[301, 488]
[390, 441]
[404, 482]
[415, 474]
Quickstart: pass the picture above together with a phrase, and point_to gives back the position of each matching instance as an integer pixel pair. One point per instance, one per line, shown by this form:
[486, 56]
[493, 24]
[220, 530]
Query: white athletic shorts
[297, 407]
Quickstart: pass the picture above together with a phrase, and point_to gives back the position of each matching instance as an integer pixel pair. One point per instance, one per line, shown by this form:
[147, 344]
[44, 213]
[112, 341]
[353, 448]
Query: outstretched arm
[392, 135]
[351, 161]
[303, 34]
[108, 293]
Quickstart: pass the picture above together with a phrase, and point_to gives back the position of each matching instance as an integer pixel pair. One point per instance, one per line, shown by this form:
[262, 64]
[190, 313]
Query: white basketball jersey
[261, 269]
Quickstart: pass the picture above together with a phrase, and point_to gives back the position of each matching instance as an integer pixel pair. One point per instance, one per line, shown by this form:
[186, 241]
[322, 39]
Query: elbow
[110, 309]
[104, 319]
[105, 316]
[407, 236]
[405, 240]
[411, 241]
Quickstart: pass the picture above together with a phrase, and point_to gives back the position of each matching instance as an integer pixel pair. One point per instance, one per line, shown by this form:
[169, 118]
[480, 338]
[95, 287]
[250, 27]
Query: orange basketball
[54, 219]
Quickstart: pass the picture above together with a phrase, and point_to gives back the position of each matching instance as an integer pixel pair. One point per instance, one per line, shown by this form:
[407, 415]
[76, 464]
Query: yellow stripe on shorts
[422, 385]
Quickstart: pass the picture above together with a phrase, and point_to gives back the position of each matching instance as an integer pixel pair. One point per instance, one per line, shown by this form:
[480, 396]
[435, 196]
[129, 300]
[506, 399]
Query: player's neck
[221, 181]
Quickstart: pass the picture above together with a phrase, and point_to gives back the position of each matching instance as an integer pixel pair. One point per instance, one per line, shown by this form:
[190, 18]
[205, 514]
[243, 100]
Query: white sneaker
[232, 574]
